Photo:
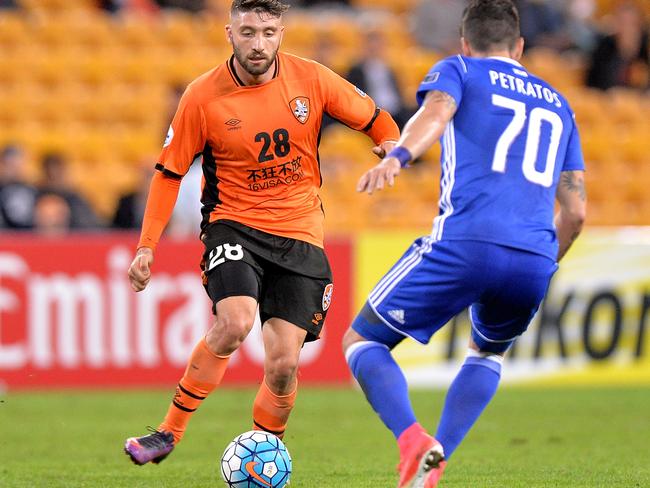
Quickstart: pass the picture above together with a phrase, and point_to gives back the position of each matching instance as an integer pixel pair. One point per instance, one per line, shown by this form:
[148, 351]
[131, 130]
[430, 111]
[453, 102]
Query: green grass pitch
[528, 437]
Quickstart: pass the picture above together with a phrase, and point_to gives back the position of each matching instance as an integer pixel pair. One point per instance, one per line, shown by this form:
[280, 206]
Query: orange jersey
[260, 143]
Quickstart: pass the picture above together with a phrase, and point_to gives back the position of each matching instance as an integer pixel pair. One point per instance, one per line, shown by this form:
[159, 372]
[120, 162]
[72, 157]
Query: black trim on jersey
[235, 77]
[372, 121]
[189, 393]
[320, 175]
[274, 432]
[166, 172]
[276, 71]
[233, 73]
[210, 195]
[181, 407]
[366, 128]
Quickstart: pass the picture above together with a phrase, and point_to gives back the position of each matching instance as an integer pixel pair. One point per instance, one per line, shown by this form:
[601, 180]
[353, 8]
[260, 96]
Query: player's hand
[384, 148]
[139, 271]
[382, 174]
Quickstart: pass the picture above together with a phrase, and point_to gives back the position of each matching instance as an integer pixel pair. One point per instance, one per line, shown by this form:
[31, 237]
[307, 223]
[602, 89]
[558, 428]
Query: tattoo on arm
[440, 96]
[574, 184]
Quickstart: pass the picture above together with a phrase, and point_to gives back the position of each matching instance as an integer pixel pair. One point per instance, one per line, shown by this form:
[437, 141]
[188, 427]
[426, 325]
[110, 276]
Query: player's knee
[229, 331]
[367, 326]
[487, 348]
[351, 337]
[281, 372]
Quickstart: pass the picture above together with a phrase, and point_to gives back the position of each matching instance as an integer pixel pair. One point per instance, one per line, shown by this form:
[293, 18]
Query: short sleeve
[446, 76]
[574, 160]
[344, 101]
[186, 136]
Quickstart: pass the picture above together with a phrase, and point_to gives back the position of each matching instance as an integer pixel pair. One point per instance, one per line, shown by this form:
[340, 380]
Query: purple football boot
[152, 447]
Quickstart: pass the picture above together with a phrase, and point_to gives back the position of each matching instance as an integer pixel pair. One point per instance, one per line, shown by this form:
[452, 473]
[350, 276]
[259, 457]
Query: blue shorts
[434, 281]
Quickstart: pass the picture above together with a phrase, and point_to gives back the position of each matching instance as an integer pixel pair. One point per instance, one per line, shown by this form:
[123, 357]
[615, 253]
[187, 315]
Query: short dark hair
[489, 24]
[272, 7]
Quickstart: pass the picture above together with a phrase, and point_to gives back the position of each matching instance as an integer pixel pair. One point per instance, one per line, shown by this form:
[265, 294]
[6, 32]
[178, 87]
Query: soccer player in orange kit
[256, 121]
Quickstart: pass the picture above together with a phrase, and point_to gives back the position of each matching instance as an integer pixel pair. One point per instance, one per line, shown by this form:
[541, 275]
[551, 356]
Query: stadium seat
[394, 6]
[13, 30]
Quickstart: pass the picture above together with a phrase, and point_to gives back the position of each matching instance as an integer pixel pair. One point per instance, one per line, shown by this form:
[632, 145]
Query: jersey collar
[233, 73]
[506, 60]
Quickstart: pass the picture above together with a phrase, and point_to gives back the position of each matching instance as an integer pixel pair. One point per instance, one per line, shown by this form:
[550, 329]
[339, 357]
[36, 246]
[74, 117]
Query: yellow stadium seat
[590, 106]
[179, 29]
[395, 6]
[13, 30]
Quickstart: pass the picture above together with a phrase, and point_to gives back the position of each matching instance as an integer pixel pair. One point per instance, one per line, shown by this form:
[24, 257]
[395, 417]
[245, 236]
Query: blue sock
[383, 382]
[468, 395]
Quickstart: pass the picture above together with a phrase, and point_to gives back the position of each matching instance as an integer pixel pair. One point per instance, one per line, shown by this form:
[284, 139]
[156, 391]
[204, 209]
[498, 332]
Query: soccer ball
[256, 459]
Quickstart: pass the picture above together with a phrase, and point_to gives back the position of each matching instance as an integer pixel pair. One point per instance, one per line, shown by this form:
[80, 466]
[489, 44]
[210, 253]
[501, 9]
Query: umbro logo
[233, 124]
[398, 316]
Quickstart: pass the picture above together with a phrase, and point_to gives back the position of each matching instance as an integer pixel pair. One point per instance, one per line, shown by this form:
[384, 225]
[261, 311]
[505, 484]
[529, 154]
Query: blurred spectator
[622, 58]
[55, 180]
[17, 198]
[52, 215]
[580, 28]
[146, 7]
[559, 25]
[112, 6]
[374, 75]
[8, 4]
[542, 23]
[130, 207]
[436, 25]
[193, 6]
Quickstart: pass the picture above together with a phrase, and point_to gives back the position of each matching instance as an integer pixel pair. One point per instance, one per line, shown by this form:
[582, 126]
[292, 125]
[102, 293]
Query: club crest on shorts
[327, 296]
[300, 108]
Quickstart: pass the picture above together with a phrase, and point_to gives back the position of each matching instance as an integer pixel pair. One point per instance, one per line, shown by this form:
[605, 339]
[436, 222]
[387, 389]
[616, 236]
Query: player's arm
[420, 133]
[572, 197]
[185, 140]
[383, 131]
[163, 193]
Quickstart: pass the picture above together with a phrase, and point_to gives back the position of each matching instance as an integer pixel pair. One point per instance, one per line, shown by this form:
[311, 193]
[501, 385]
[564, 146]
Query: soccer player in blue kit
[510, 148]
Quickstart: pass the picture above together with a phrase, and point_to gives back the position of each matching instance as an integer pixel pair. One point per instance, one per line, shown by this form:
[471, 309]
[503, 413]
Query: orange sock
[271, 411]
[203, 373]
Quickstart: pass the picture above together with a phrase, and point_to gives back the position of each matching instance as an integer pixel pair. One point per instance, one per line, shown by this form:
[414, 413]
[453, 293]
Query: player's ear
[465, 47]
[229, 33]
[518, 50]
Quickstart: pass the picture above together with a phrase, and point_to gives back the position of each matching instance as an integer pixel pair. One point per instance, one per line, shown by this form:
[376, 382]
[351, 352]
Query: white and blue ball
[256, 459]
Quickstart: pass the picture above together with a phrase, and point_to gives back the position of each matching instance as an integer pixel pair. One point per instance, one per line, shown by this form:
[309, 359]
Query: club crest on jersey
[300, 108]
[327, 296]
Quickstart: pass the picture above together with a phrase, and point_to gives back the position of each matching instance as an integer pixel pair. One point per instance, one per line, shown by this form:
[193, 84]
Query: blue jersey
[502, 153]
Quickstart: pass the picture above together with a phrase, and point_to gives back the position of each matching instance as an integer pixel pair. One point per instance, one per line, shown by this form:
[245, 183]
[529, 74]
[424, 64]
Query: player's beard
[254, 69]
